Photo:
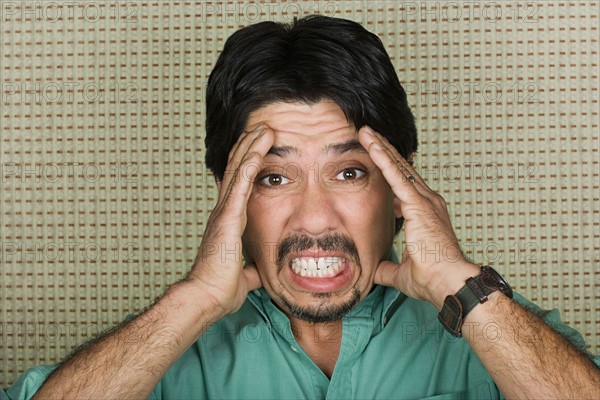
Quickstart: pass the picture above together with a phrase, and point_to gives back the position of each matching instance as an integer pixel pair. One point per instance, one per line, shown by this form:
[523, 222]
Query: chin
[322, 307]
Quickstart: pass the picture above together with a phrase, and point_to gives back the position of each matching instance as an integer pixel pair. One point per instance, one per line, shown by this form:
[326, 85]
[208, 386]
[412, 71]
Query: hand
[218, 268]
[432, 265]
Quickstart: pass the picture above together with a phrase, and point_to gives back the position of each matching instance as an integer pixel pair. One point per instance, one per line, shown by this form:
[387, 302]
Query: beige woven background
[104, 194]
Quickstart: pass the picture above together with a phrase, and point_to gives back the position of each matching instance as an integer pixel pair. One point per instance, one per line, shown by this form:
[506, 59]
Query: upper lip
[317, 254]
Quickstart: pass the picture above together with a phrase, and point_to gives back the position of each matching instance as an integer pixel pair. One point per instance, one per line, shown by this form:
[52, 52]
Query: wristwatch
[476, 291]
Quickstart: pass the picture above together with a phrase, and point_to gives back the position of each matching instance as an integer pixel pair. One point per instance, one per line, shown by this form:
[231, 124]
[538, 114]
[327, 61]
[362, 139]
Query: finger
[237, 153]
[245, 142]
[410, 169]
[392, 152]
[252, 277]
[369, 136]
[386, 273]
[401, 186]
[394, 275]
[259, 140]
[235, 196]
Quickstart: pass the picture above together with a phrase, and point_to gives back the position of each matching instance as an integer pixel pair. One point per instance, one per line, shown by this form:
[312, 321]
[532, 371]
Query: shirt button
[294, 348]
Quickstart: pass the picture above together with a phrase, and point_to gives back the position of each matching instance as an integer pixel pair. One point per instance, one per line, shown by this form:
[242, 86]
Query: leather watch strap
[451, 315]
[472, 294]
[476, 291]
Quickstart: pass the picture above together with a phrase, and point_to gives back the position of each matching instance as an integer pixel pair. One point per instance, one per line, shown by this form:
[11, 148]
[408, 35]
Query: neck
[320, 341]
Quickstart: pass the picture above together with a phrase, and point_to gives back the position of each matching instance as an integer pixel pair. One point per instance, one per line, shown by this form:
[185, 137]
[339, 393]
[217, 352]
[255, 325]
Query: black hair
[312, 59]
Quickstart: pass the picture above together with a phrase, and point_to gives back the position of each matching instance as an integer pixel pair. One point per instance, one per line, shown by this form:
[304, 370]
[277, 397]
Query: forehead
[318, 122]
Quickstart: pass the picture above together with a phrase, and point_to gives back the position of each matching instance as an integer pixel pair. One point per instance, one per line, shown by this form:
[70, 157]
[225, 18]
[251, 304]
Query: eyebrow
[352, 145]
[283, 151]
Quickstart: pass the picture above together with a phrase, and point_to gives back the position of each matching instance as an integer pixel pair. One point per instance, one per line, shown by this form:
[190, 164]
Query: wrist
[476, 291]
[449, 280]
[191, 306]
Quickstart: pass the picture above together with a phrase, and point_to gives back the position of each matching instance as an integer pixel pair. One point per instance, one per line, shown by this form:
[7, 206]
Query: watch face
[494, 281]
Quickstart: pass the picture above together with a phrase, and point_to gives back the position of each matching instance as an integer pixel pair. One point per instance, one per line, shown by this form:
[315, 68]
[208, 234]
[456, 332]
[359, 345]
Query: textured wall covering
[104, 194]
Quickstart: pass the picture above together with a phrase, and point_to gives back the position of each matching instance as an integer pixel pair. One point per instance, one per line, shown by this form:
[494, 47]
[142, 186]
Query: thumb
[386, 273]
[252, 277]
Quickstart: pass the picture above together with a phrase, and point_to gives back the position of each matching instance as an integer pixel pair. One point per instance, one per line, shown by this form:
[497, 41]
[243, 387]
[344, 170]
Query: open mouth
[317, 267]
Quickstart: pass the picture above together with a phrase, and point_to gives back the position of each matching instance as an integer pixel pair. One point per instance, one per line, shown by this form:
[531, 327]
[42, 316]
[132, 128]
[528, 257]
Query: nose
[315, 210]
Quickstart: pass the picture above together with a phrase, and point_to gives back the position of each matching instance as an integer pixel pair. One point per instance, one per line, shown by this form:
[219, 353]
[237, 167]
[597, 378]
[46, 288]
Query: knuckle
[393, 164]
[250, 157]
[440, 201]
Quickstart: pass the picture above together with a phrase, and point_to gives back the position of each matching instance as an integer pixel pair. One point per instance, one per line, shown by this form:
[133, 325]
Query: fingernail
[368, 129]
[377, 146]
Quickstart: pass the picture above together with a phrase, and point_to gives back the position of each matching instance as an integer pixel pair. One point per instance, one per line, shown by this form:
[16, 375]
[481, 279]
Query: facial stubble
[325, 311]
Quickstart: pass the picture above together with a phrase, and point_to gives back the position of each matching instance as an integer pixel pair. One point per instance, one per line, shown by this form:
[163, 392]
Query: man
[310, 138]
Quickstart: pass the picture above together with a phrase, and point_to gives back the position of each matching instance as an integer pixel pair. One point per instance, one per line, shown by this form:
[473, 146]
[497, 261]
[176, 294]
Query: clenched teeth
[322, 267]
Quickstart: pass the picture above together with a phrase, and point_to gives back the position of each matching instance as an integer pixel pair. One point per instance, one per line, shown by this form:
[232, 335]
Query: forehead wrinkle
[312, 129]
[352, 145]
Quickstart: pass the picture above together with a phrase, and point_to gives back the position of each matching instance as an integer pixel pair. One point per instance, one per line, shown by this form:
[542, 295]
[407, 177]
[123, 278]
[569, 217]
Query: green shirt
[393, 347]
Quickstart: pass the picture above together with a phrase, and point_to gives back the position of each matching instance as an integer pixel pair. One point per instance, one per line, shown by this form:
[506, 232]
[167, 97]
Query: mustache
[329, 242]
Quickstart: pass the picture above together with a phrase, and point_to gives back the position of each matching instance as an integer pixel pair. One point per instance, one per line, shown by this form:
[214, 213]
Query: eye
[273, 180]
[350, 174]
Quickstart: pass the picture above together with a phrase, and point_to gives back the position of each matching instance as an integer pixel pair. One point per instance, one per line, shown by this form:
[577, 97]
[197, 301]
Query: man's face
[320, 216]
